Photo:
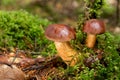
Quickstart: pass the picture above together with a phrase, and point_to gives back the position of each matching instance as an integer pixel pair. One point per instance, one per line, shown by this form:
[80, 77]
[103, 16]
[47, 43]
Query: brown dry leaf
[11, 73]
[4, 60]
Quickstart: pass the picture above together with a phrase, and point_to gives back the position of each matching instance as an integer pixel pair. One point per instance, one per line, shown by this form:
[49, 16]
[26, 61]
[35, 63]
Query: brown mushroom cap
[59, 32]
[94, 26]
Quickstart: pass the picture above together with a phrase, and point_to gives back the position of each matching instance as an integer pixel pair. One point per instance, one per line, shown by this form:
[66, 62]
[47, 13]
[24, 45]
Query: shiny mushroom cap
[94, 26]
[59, 32]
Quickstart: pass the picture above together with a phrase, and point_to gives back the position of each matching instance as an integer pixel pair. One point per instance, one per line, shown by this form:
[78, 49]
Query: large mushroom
[61, 35]
[93, 27]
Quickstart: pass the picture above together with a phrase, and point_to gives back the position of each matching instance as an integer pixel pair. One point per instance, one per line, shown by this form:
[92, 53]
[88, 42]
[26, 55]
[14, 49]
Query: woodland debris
[11, 73]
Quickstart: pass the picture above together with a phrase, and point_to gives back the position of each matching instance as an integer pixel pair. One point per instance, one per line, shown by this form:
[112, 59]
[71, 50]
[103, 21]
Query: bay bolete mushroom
[93, 27]
[61, 35]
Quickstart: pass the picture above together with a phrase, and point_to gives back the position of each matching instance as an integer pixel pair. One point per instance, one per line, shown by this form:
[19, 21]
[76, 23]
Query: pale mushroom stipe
[61, 35]
[93, 27]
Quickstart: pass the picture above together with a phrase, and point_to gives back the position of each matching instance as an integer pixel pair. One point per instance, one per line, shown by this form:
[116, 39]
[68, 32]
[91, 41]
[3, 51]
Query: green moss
[24, 31]
[111, 70]
[94, 8]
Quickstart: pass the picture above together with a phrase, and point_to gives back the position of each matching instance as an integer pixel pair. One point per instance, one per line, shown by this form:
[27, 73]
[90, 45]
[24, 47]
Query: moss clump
[108, 68]
[24, 31]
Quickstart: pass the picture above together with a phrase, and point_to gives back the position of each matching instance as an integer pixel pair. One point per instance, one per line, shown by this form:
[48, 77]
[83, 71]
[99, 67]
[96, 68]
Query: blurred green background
[65, 11]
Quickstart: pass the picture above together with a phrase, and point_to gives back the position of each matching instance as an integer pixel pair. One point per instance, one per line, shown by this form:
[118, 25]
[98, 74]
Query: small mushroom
[61, 35]
[93, 27]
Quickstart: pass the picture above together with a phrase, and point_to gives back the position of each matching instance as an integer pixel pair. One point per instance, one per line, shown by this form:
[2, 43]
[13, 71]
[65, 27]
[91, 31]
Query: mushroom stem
[67, 53]
[90, 40]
